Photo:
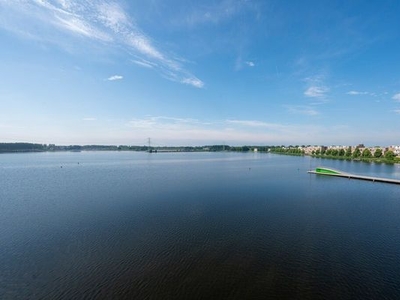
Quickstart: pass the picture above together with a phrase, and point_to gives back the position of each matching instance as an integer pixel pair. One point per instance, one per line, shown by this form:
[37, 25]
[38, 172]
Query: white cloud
[303, 110]
[101, 21]
[357, 93]
[80, 27]
[194, 82]
[142, 44]
[316, 91]
[396, 97]
[142, 123]
[115, 77]
[315, 80]
[250, 123]
[167, 130]
[215, 12]
[144, 63]
[397, 111]
[113, 16]
[250, 63]
[89, 119]
[162, 123]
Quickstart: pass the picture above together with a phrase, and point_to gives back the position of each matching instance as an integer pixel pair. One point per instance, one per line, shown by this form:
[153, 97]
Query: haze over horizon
[229, 72]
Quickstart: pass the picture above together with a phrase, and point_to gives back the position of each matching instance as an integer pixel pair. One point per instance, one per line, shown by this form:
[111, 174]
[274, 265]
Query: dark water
[195, 226]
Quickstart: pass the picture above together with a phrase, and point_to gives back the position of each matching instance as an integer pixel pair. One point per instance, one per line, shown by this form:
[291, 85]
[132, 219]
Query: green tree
[378, 153]
[348, 152]
[357, 153]
[366, 153]
[389, 155]
[341, 152]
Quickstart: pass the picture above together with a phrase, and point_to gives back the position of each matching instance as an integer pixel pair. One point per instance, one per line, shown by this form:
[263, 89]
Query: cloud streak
[167, 130]
[100, 21]
[115, 77]
[251, 123]
[396, 97]
[303, 110]
[316, 91]
[219, 12]
[355, 93]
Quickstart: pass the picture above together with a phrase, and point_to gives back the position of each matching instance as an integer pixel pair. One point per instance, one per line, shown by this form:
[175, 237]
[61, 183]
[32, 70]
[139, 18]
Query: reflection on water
[195, 225]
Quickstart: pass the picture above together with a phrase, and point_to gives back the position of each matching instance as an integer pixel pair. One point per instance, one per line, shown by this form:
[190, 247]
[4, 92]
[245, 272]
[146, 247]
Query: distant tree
[366, 153]
[22, 147]
[245, 148]
[389, 155]
[334, 152]
[378, 153]
[348, 152]
[357, 153]
[341, 152]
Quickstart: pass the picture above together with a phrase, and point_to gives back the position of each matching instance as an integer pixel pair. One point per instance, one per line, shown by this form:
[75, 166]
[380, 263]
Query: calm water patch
[195, 226]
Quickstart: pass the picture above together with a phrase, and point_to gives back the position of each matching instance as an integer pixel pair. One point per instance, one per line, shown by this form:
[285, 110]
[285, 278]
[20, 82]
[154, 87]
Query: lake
[134, 225]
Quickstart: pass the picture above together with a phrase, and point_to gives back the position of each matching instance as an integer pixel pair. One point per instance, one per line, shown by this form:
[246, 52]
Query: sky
[184, 72]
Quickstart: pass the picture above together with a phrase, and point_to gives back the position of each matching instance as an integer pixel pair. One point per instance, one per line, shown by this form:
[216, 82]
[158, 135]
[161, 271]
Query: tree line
[365, 154]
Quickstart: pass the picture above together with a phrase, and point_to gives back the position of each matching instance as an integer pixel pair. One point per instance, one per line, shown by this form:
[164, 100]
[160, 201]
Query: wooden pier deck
[336, 173]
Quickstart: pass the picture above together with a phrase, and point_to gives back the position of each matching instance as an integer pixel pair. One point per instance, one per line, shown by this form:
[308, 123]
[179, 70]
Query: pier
[336, 173]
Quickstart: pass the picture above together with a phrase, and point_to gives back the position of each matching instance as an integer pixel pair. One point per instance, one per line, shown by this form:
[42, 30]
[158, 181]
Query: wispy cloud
[115, 77]
[100, 21]
[216, 13]
[303, 110]
[396, 97]
[357, 93]
[194, 82]
[250, 123]
[397, 111]
[171, 130]
[144, 63]
[239, 63]
[316, 87]
[316, 91]
[89, 119]
[162, 122]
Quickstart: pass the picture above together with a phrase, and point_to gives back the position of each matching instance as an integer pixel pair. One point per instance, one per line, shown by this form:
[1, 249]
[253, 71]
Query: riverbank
[380, 160]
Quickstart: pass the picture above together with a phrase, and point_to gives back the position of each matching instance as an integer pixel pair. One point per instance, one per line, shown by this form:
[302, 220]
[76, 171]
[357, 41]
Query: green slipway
[326, 171]
[337, 173]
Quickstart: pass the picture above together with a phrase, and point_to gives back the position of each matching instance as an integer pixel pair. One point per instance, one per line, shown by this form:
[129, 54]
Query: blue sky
[200, 72]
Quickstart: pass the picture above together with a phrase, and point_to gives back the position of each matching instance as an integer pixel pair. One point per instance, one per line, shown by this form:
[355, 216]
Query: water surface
[96, 225]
